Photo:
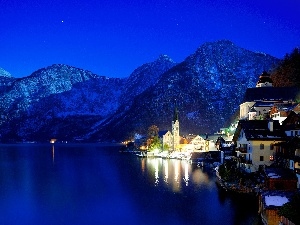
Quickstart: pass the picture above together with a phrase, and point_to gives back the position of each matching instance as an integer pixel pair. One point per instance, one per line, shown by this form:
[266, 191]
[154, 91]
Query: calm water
[95, 184]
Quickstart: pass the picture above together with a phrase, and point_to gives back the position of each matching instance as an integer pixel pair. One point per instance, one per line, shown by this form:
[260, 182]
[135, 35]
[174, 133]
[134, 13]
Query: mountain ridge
[199, 86]
[68, 103]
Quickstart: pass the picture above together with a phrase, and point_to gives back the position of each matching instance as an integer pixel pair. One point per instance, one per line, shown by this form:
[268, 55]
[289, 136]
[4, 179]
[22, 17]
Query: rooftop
[273, 94]
[276, 199]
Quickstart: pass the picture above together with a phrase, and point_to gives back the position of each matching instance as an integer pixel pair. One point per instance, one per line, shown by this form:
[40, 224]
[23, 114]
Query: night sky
[114, 37]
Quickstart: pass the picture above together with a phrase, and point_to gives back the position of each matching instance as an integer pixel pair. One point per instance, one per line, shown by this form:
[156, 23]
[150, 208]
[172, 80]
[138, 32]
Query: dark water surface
[96, 184]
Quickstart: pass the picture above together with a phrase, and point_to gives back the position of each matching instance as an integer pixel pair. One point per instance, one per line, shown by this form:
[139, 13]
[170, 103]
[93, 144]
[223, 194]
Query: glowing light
[53, 140]
[166, 172]
[176, 169]
[186, 174]
[156, 172]
[53, 154]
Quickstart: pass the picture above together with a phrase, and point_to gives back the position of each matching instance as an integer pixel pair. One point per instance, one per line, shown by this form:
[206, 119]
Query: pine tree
[287, 74]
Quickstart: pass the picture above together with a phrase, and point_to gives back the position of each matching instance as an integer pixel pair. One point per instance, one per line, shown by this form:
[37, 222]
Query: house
[280, 186]
[280, 111]
[268, 134]
[256, 142]
[196, 142]
[291, 150]
[166, 138]
[199, 143]
[270, 203]
[291, 155]
[295, 164]
[277, 178]
[291, 124]
[258, 101]
[212, 139]
[264, 80]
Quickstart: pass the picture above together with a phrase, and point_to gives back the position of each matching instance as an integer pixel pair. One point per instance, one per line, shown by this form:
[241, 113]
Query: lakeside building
[290, 154]
[259, 101]
[166, 138]
[280, 111]
[256, 142]
[281, 186]
[267, 136]
[269, 204]
[189, 143]
[262, 129]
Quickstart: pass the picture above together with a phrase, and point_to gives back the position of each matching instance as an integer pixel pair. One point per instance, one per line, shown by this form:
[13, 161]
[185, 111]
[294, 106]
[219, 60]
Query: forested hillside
[287, 74]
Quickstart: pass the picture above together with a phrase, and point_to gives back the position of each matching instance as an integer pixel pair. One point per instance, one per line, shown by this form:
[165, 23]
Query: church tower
[265, 80]
[175, 130]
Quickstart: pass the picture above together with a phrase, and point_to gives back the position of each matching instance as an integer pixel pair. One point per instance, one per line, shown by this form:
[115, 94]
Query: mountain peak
[220, 42]
[163, 57]
[217, 45]
[66, 102]
[63, 72]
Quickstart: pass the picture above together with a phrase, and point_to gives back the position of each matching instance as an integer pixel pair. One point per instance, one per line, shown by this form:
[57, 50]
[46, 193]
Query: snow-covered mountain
[207, 87]
[65, 102]
[144, 77]
[57, 100]
[5, 79]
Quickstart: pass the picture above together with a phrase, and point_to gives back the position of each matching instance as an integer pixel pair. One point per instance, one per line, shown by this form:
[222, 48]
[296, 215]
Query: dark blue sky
[113, 38]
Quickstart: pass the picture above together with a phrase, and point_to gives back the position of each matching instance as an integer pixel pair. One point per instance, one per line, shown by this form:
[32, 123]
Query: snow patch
[275, 200]
[273, 175]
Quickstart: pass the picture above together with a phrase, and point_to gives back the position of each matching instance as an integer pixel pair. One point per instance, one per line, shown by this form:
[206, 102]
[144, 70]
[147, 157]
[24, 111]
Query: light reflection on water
[53, 154]
[94, 184]
[174, 173]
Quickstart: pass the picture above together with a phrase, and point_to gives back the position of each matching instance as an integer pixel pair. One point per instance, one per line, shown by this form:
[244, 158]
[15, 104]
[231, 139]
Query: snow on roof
[275, 200]
[282, 173]
[273, 175]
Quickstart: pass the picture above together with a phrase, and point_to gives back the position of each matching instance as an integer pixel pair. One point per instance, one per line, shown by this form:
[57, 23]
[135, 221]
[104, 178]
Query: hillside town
[258, 154]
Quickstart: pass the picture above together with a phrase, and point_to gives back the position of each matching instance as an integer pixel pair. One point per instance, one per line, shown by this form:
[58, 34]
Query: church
[171, 140]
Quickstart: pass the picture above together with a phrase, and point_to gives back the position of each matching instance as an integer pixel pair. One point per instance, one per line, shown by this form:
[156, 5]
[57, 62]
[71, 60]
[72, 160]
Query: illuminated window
[271, 158]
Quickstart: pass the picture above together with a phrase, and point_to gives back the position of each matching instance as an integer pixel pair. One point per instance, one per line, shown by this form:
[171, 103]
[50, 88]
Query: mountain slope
[51, 101]
[207, 88]
[145, 76]
[69, 103]
[5, 79]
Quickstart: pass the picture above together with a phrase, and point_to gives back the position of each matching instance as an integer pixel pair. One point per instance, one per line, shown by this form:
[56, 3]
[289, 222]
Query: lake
[96, 184]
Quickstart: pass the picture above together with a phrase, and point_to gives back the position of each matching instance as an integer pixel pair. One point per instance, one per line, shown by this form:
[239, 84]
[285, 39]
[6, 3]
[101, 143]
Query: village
[258, 154]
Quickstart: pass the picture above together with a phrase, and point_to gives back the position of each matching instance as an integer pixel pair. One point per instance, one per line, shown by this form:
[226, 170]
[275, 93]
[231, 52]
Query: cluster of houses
[266, 138]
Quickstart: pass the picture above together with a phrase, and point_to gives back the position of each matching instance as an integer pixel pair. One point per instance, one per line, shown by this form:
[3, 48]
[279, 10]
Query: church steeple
[175, 114]
[264, 80]
[175, 129]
